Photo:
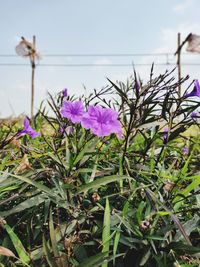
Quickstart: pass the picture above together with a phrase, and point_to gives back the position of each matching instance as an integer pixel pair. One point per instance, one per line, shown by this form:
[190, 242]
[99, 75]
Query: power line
[95, 65]
[96, 55]
[109, 55]
[167, 54]
[102, 55]
[85, 65]
[78, 65]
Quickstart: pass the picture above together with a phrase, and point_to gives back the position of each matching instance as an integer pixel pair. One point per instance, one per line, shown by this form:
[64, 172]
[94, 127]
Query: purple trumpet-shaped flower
[72, 111]
[28, 130]
[65, 92]
[195, 91]
[102, 121]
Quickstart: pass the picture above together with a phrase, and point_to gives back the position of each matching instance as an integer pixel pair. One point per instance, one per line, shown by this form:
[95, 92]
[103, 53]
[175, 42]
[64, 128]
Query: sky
[89, 27]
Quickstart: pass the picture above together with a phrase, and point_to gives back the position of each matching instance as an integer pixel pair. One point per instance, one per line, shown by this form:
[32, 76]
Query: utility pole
[179, 63]
[28, 49]
[32, 58]
[178, 53]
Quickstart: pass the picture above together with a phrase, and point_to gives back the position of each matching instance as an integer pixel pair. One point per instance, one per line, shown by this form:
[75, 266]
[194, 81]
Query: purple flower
[70, 130]
[102, 121]
[28, 130]
[195, 91]
[62, 129]
[166, 134]
[194, 115]
[185, 150]
[72, 110]
[65, 92]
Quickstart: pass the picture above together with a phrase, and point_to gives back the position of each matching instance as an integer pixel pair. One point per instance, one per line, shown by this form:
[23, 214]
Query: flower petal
[102, 121]
[72, 111]
[26, 123]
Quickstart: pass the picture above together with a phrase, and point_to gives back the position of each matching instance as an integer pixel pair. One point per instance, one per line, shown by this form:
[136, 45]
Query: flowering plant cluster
[93, 187]
[101, 121]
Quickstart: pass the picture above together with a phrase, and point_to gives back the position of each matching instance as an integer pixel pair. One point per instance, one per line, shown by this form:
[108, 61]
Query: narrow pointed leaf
[106, 231]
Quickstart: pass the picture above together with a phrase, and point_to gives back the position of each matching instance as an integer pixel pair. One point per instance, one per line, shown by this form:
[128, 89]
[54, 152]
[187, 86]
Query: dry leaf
[24, 165]
[16, 142]
[6, 252]
[169, 186]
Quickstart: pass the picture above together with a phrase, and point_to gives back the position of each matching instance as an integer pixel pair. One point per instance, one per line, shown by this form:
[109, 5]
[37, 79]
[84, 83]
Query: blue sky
[89, 27]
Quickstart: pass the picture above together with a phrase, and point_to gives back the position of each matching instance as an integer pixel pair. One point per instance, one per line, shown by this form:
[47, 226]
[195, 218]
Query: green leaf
[145, 257]
[53, 236]
[125, 209]
[171, 214]
[97, 260]
[94, 260]
[17, 245]
[125, 223]
[191, 186]
[186, 192]
[80, 253]
[101, 181]
[87, 148]
[58, 160]
[27, 204]
[115, 245]
[183, 171]
[182, 248]
[139, 211]
[47, 253]
[67, 151]
[163, 213]
[106, 231]
[153, 237]
[40, 186]
[54, 197]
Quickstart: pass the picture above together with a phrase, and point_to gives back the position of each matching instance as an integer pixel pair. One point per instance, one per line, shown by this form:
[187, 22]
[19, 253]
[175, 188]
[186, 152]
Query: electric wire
[73, 65]
[95, 65]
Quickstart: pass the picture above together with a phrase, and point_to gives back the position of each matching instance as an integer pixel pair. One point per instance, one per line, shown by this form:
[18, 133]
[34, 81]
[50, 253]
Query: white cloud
[168, 44]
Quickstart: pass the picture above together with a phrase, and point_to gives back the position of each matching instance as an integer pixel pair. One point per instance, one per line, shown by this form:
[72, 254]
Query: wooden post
[179, 62]
[178, 53]
[32, 58]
